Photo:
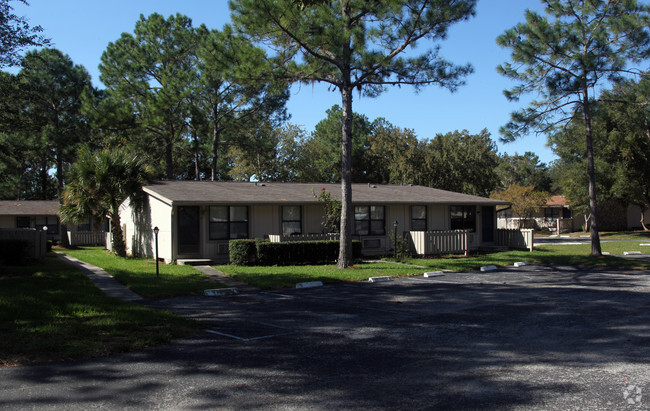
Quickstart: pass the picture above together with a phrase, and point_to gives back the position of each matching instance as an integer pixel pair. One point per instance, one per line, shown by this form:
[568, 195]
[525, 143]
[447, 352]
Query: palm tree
[99, 183]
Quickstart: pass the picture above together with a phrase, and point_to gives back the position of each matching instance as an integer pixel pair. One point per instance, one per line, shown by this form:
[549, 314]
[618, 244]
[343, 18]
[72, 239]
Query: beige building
[196, 219]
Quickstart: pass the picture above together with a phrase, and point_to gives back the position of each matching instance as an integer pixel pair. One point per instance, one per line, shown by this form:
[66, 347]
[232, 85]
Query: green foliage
[355, 45]
[332, 211]
[394, 155]
[14, 252]
[322, 150]
[525, 170]
[16, 34]
[461, 162]
[401, 246]
[139, 274]
[52, 312]
[301, 252]
[151, 71]
[564, 57]
[242, 252]
[526, 200]
[100, 182]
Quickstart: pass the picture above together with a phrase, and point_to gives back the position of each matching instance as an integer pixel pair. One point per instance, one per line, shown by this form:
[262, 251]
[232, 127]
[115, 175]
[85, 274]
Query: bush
[242, 252]
[302, 252]
[14, 252]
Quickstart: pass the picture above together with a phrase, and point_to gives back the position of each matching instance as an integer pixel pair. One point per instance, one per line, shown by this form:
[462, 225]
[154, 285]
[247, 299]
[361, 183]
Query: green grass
[51, 311]
[546, 254]
[283, 277]
[139, 274]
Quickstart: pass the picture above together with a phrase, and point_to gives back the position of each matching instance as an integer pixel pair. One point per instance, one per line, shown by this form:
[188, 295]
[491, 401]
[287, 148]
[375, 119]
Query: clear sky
[83, 28]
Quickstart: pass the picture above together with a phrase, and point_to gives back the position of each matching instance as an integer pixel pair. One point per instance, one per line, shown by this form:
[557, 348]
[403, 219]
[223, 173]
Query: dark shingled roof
[204, 192]
[29, 207]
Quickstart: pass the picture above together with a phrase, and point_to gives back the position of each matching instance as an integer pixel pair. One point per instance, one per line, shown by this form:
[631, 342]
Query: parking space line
[262, 337]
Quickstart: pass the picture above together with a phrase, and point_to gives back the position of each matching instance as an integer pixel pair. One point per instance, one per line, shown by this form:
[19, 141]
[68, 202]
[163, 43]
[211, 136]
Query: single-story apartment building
[196, 219]
[41, 214]
[31, 214]
[555, 211]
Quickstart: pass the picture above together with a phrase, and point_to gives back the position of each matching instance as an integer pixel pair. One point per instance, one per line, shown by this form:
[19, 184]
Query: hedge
[242, 252]
[287, 253]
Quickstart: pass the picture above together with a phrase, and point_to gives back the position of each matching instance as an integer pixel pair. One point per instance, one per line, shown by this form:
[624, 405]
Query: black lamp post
[395, 238]
[156, 230]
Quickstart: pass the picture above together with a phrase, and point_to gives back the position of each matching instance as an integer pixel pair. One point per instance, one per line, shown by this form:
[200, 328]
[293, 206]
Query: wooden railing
[280, 238]
[439, 242]
[515, 238]
[87, 238]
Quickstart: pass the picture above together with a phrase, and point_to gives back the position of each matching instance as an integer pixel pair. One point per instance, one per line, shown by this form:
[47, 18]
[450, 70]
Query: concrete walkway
[111, 287]
[103, 280]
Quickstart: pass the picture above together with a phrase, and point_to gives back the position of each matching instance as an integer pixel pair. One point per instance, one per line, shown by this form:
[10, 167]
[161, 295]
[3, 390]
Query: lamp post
[395, 238]
[156, 230]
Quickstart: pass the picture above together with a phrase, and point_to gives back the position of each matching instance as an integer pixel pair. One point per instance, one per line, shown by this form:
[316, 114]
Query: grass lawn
[51, 311]
[139, 274]
[283, 277]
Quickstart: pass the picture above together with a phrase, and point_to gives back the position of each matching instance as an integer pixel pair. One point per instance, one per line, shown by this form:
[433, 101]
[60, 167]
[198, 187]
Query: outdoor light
[395, 238]
[156, 230]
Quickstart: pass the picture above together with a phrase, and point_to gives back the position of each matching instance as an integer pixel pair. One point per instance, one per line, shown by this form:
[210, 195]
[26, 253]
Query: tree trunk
[169, 156]
[215, 143]
[595, 238]
[119, 247]
[643, 219]
[63, 228]
[345, 250]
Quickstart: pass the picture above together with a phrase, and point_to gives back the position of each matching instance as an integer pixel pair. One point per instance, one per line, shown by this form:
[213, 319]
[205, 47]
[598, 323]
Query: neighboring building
[556, 211]
[31, 214]
[196, 219]
[634, 217]
[34, 214]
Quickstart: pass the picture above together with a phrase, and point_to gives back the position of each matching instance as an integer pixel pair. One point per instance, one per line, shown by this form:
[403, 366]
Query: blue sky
[83, 28]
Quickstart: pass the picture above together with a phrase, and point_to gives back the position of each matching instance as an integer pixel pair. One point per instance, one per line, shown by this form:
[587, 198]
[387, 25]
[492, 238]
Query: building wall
[634, 217]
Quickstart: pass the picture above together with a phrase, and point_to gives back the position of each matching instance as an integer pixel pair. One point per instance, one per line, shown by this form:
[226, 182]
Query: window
[369, 220]
[22, 222]
[463, 218]
[551, 213]
[291, 220]
[228, 222]
[85, 226]
[51, 222]
[418, 218]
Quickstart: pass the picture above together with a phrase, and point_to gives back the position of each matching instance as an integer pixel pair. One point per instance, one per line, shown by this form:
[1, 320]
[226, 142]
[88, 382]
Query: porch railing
[515, 238]
[439, 242]
[280, 238]
[87, 238]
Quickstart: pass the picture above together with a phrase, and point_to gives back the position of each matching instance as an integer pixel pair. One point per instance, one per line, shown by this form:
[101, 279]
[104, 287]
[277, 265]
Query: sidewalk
[103, 280]
[111, 287]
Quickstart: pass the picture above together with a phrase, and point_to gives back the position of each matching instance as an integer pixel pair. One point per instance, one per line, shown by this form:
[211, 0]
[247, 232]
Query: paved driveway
[535, 337]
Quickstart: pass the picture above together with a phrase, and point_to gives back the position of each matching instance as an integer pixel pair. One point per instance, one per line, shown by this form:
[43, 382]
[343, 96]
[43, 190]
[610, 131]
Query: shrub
[14, 252]
[242, 252]
[301, 252]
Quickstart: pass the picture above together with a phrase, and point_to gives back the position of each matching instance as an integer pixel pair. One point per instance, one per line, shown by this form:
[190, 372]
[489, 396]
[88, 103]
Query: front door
[188, 231]
[488, 224]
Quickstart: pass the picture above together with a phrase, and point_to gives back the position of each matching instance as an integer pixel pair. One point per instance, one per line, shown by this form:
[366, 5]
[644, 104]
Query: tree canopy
[355, 45]
[564, 56]
[16, 34]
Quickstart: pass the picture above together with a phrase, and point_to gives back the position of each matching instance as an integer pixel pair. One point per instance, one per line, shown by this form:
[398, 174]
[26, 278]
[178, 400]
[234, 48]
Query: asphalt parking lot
[535, 337]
